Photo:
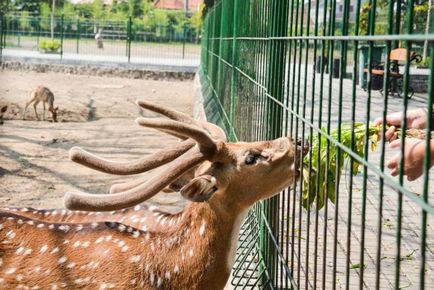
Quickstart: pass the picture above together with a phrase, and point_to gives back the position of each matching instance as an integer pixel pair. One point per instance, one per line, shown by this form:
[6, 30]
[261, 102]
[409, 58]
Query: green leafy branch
[328, 175]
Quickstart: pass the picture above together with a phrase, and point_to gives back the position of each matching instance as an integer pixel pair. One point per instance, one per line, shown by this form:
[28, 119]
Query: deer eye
[251, 159]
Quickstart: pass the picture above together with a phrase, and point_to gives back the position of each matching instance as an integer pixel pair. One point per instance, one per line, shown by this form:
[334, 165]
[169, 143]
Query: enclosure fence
[322, 71]
[123, 41]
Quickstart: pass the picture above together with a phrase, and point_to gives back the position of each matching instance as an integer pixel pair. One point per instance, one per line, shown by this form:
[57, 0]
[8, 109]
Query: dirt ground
[96, 113]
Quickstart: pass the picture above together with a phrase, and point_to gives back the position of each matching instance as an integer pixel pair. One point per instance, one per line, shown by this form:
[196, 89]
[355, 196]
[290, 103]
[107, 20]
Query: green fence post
[129, 31]
[61, 36]
[1, 37]
[234, 69]
[78, 36]
[38, 30]
[183, 41]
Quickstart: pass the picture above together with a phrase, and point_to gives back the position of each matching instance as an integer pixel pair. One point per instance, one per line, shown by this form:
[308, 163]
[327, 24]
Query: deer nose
[303, 147]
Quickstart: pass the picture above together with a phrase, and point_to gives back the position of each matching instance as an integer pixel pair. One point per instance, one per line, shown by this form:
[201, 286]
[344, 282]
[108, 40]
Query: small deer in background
[198, 249]
[99, 39]
[44, 95]
[2, 112]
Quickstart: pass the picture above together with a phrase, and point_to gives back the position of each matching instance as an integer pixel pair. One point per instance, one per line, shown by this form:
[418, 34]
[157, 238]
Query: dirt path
[95, 113]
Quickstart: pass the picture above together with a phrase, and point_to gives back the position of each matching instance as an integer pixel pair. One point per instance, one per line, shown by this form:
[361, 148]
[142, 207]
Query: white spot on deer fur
[129, 229]
[152, 278]
[63, 212]
[202, 228]
[40, 226]
[76, 244]
[64, 228]
[62, 260]
[121, 228]
[1, 262]
[99, 240]
[55, 250]
[108, 238]
[148, 236]
[107, 286]
[19, 277]
[167, 275]
[79, 228]
[27, 251]
[46, 213]
[10, 271]
[137, 207]
[144, 228]
[43, 249]
[94, 225]
[85, 244]
[176, 269]
[191, 252]
[71, 265]
[143, 219]
[133, 282]
[2, 280]
[159, 282]
[113, 212]
[1, 226]
[24, 209]
[106, 252]
[78, 281]
[20, 221]
[91, 213]
[54, 287]
[37, 269]
[51, 227]
[153, 208]
[65, 242]
[136, 234]
[135, 258]
[36, 287]
[121, 243]
[11, 234]
[19, 250]
[124, 249]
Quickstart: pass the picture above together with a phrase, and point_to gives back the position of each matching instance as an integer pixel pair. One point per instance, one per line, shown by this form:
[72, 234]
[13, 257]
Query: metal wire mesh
[320, 71]
[123, 41]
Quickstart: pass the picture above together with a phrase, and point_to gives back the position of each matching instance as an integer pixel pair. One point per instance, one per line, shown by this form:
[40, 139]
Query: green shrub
[49, 45]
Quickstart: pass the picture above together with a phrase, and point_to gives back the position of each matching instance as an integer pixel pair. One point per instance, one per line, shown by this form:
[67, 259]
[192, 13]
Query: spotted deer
[44, 95]
[141, 216]
[2, 112]
[197, 252]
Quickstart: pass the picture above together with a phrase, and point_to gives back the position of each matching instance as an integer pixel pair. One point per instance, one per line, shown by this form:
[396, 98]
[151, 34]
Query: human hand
[416, 119]
[414, 154]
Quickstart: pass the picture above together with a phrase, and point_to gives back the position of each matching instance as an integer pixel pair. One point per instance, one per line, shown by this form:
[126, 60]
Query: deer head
[195, 252]
[2, 112]
[54, 113]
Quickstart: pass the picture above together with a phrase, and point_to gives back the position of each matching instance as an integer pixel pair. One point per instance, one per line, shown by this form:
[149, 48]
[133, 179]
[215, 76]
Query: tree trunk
[427, 28]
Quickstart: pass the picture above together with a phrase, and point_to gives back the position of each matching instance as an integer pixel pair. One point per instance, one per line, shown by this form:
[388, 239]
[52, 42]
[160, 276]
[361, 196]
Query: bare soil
[96, 113]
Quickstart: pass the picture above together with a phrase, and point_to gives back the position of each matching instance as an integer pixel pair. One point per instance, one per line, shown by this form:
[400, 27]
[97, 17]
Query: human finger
[390, 133]
[395, 143]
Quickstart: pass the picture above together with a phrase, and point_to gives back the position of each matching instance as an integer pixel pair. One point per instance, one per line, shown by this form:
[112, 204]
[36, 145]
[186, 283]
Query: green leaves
[320, 182]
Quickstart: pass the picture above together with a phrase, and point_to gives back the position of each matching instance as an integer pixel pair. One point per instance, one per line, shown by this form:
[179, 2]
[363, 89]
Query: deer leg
[43, 114]
[34, 107]
[25, 108]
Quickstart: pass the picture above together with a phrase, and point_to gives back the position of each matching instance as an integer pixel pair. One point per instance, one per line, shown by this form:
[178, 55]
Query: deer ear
[200, 189]
[4, 109]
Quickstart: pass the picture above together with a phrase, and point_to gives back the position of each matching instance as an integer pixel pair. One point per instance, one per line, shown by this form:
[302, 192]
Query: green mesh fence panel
[322, 72]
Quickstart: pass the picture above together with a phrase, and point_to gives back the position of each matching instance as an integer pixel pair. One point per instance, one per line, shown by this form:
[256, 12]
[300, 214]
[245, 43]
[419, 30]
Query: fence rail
[271, 68]
[125, 41]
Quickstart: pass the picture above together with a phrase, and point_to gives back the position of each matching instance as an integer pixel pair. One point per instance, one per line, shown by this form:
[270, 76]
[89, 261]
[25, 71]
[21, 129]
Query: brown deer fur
[195, 252]
[44, 95]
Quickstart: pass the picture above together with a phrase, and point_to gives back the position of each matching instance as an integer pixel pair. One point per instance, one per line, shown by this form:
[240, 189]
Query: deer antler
[205, 150]
[141, 165]
[108, 202]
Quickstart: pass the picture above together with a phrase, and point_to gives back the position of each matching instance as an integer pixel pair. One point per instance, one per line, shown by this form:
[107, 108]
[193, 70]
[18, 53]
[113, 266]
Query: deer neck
[208, 238]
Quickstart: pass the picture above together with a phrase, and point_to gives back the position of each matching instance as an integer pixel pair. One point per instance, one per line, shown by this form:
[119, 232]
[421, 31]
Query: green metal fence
[128, 41]
[312, 70]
